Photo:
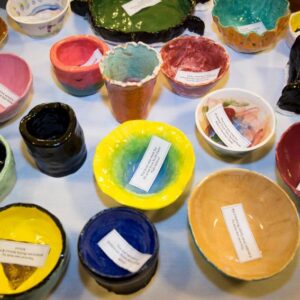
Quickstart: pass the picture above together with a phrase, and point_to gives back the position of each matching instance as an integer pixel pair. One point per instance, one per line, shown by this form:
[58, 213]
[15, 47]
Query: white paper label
[121, 252]
[258, 28]
[225, 130]
[7, 97]
[298, 187]
[150, 164]
[95, 58]
[196, 77]
[134, 6]
[24, 254]
[240, 233]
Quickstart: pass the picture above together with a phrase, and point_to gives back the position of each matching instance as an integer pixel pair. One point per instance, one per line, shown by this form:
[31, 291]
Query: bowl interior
[31, 225]
[270, 213]
[2, 155]
[3, 30]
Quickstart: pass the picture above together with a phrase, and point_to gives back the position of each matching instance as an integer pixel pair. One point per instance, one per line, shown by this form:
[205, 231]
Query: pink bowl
[288, 157]
[16, 78]
[196, 55]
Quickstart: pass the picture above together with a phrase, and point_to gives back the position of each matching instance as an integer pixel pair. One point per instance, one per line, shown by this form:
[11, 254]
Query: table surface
[182, 273]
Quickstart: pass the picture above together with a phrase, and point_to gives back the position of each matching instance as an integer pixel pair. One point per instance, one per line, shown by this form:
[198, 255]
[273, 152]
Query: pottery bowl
[250, 26]
[15, 88]
[33, 226]
[75, 63]
[118, 158]
[244, 198]
[234, 121]
[137, 231]
[287, 157]
[38, 18]
[193, 65]
[3, 31]
[293, 28]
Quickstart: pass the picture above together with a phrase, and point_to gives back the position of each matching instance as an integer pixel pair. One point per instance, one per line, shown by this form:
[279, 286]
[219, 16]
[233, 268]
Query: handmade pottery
[3, 31]
[270, 214]
[137, 231]
[54, 138]
[130, 73]
[75, 63]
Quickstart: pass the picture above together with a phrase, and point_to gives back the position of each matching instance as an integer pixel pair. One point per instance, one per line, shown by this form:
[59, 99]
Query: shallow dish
[119, 154]
[271, 215]
[3, 31]
[193, 65]
[32, 224]
[265, 21]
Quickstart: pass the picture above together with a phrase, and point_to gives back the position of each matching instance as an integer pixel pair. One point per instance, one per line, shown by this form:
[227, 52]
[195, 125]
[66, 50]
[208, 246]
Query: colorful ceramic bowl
[39, 232]
[288, 159]
[193, 65]
[118, 158]
[235, 122]
[136, 238]
[250, 26]
[40, 18]
[15, 88]
[75, 63]
[3, 31]
[263, 220]
[293, 28]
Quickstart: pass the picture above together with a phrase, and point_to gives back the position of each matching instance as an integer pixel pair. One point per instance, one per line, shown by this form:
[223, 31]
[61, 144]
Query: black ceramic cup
[54, 138]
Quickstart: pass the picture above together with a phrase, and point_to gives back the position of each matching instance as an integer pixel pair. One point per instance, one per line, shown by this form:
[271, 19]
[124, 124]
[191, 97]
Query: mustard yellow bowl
[119, 159]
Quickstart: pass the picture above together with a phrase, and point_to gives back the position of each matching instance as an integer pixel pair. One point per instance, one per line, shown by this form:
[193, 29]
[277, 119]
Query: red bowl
[288, 157]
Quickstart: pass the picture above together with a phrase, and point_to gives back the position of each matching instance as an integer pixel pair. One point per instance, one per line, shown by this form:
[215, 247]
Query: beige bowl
[271, 215]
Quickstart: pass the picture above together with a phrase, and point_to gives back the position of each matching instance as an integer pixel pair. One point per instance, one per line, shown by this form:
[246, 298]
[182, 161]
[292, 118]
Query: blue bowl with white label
[119, 249]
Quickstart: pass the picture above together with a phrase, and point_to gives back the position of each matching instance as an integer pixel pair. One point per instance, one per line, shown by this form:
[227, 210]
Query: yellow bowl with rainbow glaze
[119, 154]
[29, 223]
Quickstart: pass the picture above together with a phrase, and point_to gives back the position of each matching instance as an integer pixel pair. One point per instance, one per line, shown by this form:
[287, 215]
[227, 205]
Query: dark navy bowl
[137, 230]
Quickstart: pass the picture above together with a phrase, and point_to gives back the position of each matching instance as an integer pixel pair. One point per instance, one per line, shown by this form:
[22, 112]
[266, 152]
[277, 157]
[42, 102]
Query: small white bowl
[38, 18]
[294, 24]
[251, 115]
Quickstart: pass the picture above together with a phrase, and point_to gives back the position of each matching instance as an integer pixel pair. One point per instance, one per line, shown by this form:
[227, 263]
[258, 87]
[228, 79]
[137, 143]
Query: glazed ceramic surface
[250, 114]
[32, 224]
[288, 159]
[70, 60]
[38, 18]
[130, 73]
[54, 138]
[3, 31]
[7, 168]
[271, 215]
[293, 28]
[19, 86]
[118, 156]
[195, 55]
[229, 15]
[137, 230]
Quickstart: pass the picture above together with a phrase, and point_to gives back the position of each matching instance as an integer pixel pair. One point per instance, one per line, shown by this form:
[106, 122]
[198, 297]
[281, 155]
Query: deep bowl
[16, 88]
[118, 157]
[288, 159]
[270, 214]
[137, 231]
[293, 28]
[35, 226]
[193, 65]
[250, 26]
[3, 31]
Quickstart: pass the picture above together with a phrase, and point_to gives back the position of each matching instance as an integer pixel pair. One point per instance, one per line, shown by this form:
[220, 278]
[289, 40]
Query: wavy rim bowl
[156, 200]
[204, 238]
[225, 148]
[4, 30]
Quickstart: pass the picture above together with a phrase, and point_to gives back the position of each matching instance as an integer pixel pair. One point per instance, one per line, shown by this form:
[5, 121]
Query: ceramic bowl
[15, 88]
[270, 214]
[98, 260]
[267, 22]
[252, 117]
[32, 224]
[40, 18]
[287, 157]
[75, 63]
[193, 65]
[119, 154]
[3, 31]
[293, 28]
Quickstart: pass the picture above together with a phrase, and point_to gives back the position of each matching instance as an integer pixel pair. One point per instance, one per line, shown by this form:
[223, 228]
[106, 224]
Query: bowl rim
[8, 157]
[228, 149]
[196, 85]
[62, 257]
[245, 171]
[279, 165]
[114, 210]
